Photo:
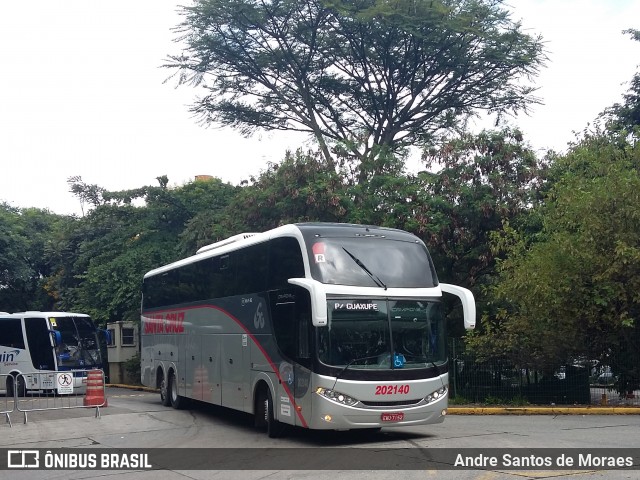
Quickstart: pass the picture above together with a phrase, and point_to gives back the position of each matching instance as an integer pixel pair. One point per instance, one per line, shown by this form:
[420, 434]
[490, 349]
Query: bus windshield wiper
[374, 277]
[423, 358]
[344, 369]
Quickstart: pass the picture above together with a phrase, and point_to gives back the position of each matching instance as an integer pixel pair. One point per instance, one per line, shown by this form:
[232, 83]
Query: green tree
[301, 188]
[572, 290]
[25, 239]
[626, 115]
[108, 251]
[117, 250]
[86, 193]
[473, 184]
[369, 76]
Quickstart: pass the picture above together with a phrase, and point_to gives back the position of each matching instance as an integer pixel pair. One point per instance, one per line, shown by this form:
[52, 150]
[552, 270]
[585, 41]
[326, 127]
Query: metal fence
[501, 382]
[7, 404]
[39, 392]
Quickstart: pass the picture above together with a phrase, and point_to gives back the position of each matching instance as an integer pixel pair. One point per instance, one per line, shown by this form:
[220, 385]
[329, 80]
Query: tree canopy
[369, 75]
[626, 115]
[571, 290]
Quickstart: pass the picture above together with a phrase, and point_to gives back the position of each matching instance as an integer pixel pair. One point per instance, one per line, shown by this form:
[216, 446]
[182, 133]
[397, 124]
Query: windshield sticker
[360, 306]
[399, 360]
[53, 322]
[318, 252]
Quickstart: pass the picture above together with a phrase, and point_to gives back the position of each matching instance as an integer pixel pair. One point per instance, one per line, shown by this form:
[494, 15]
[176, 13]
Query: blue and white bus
[317, 325]
[34, 346]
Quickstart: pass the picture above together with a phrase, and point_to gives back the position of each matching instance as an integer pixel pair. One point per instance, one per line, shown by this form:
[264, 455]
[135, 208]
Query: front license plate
[392, 417]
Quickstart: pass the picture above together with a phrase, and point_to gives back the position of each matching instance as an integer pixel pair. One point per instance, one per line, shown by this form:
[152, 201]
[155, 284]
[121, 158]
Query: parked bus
[46, 343]
[318, 325]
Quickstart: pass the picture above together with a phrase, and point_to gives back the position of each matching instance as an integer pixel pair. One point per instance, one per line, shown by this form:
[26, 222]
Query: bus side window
[11, 334]
[283, 316]
[285, 262]
[251, 270]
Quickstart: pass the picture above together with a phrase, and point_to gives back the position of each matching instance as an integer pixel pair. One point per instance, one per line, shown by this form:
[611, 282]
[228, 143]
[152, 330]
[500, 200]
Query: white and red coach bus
[317, 325]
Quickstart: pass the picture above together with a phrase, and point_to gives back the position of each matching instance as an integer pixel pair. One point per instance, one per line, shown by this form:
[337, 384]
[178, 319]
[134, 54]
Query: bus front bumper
[328, 415]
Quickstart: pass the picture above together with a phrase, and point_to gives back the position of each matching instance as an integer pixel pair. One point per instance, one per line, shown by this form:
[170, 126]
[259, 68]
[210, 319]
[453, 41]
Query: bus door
[235, 370]
[291, 311]
[203, 367]
[39, 341]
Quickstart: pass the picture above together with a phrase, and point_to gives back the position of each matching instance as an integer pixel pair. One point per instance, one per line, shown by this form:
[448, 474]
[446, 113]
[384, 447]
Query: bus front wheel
[12, 382]
[274, 427]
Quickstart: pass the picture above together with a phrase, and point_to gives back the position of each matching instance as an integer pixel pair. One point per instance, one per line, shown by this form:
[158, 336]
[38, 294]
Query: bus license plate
[392, 417]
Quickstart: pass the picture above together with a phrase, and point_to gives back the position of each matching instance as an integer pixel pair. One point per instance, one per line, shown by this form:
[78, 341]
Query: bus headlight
[337, 397]
[437, 395]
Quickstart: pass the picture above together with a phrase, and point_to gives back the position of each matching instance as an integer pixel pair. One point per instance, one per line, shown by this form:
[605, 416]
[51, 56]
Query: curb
[485, 410]
[132, 387]
[543, 410]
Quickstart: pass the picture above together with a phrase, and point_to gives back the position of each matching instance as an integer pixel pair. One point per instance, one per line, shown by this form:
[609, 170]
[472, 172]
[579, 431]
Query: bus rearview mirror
[318, 299]
[57, 337]
[468, 303]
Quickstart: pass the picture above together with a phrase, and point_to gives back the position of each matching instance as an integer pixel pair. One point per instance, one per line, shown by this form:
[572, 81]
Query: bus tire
[275, 429]
[22, 387]
[176, 400]
[9, 390]
[164, 392]
[12, 381]
[260, 412]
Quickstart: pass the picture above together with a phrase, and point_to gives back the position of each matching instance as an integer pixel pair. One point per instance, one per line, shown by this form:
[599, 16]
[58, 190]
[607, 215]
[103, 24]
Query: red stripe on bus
[271, 363]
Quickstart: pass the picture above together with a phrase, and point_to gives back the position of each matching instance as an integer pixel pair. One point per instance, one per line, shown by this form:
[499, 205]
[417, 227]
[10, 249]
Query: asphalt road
[137, 420]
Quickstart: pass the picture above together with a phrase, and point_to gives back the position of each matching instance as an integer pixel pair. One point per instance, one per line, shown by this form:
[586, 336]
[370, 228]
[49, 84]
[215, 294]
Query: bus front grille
[392, 404]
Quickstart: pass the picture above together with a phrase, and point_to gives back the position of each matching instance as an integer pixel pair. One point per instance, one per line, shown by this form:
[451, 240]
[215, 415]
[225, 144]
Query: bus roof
[34, 313]
[321, 229]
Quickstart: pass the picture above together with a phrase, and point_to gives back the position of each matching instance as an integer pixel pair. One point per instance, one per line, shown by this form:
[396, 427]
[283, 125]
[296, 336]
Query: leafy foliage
[626, 115]
[26, 237]
[574, 290]
[473, 184]
[302, 188]
[366, 75]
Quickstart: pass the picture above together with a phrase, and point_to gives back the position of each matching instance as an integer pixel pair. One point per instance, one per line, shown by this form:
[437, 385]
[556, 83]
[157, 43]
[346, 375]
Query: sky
[82, 93]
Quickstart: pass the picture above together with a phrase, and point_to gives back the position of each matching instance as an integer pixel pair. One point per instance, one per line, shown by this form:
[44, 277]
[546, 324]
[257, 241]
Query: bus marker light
[444, 412]
[327, 418]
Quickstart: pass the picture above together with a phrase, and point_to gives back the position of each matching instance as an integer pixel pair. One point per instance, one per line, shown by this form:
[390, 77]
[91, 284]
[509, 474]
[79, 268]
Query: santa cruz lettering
[392, 389]
[164, 323]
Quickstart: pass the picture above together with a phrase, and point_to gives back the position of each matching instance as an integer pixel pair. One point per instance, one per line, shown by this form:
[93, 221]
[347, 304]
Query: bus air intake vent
[227, 241]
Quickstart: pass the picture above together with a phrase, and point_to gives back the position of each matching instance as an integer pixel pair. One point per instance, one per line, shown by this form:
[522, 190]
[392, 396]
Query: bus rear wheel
[164, 392]
[177, 401]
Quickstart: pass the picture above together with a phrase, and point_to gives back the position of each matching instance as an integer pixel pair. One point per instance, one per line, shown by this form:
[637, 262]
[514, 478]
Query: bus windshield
[371, 262]
[79, 347]
[381, 334]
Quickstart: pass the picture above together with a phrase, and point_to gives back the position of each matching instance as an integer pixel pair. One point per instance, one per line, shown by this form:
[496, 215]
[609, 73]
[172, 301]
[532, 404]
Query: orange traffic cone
[95, 390]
